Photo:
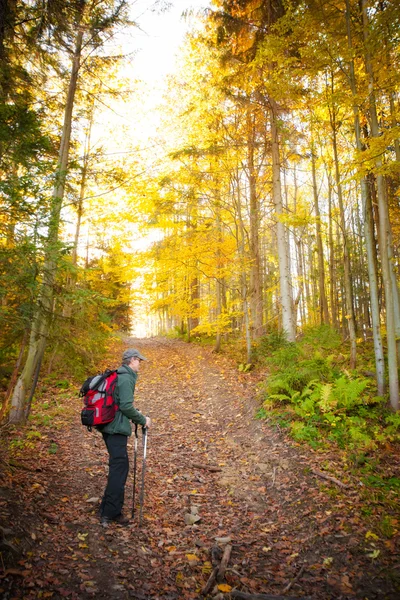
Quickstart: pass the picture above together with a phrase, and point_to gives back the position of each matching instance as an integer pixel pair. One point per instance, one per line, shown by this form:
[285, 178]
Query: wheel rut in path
[216, 476]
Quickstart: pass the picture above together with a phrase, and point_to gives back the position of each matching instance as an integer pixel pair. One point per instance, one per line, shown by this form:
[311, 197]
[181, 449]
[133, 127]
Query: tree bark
[332, 271]
[14, 376]
[42, 318]
[349, 303]
[324, 313]
[368, 231]
[288, 324]
[220, 282]
[243, 275]
[256, 300]
[384, 227]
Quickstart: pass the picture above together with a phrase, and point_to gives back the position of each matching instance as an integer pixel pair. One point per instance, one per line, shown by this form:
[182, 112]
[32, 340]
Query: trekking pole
[144, 430]
[134, 469]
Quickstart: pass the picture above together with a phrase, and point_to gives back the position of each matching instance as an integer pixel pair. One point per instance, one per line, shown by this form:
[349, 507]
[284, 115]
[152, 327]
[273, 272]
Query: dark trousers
[118, 468]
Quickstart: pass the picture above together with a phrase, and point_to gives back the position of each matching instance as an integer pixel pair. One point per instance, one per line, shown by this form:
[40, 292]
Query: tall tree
[89, 19]
[384, 224]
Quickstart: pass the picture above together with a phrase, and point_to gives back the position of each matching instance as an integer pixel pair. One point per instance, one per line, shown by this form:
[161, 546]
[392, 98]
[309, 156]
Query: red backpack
[98, 399]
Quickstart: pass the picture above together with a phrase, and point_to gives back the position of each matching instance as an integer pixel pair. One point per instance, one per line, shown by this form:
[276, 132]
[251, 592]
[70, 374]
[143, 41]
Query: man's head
[132, 358]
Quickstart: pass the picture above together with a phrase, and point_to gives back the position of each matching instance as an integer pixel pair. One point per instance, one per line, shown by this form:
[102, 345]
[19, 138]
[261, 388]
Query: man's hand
[148, 423]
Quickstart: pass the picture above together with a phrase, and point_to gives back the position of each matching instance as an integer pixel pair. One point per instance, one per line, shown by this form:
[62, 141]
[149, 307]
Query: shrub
[322, 401]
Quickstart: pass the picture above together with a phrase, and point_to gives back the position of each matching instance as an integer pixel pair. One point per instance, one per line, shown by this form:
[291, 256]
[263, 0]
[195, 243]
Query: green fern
[327, 401]
[348, 392]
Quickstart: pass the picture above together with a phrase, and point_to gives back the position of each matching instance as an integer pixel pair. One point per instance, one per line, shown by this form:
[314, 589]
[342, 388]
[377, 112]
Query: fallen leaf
[192, 557]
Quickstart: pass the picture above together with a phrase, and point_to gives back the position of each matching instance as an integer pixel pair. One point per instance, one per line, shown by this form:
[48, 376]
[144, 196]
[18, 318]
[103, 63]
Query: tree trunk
[43, 315]
[332, 272]
[395, 287]
[324, 313]
[243, 275]
[368, 231]
[349, 303]
[14, 377]
[82, 191]
[384, 226]
[220, 283]
[288, 324]
[256, 301]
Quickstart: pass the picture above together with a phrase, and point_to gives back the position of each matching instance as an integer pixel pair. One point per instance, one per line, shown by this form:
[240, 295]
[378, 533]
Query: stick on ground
[329, 478]
[224, 563]
[211, 580]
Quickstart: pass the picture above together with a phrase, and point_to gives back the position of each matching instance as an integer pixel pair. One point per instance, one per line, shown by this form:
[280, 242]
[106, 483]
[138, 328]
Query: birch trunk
[288, 324]
[384, 227]
[368, 231]
[42, 318]
[299, 257]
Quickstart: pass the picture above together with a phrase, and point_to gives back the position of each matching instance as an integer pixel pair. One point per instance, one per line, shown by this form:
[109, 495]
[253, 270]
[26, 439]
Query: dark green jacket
[124, 393]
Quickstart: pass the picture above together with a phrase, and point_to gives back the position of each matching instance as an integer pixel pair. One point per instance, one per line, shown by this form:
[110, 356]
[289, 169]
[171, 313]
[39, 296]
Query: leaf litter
[219, 485]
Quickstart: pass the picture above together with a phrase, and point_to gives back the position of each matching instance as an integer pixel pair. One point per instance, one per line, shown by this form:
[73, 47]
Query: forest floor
[287, 520]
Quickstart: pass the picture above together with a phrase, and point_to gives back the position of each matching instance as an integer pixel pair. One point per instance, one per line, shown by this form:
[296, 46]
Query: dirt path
[292, 533]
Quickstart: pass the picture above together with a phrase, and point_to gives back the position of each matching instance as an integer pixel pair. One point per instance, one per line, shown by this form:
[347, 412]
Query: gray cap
[132, 353]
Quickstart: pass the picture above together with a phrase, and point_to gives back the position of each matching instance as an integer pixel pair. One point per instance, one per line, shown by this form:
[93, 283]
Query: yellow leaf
[192, 557]
[207, 567]
[65, 499]
[83, 546]
[224, 587]
[82, 536]
[370, 535]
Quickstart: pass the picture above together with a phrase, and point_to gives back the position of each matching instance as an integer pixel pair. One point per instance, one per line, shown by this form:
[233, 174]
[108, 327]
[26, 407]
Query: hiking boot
[105, 521]
[122, 520]
[119, 520]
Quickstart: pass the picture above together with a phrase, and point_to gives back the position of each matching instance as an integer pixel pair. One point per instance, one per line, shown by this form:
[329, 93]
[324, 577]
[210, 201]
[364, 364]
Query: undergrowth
[310, 392]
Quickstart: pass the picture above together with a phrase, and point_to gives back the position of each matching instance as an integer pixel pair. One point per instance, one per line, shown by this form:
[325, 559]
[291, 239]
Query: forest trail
[291, 532]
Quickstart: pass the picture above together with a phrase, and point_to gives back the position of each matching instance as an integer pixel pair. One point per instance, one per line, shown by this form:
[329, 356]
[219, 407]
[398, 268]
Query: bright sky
[162, 30]
[153, 47]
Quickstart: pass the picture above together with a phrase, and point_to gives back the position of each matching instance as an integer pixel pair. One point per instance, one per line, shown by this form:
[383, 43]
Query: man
[115, 435]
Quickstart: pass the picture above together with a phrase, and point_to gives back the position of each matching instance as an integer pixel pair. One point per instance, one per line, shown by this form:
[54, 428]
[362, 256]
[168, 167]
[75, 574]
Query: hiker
[115, 435]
